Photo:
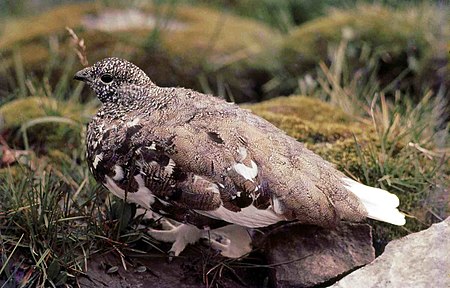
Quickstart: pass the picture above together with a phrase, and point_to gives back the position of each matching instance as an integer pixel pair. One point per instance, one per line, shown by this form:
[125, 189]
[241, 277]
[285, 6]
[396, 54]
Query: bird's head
[107, 76]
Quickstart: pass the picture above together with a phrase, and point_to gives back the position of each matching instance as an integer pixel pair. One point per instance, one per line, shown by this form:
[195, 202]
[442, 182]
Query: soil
[197, 266]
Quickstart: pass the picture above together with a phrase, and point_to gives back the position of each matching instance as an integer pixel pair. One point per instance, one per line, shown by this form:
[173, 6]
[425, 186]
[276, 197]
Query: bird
[209, 167]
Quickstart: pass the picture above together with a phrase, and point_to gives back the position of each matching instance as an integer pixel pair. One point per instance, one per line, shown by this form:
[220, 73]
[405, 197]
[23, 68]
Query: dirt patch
[198, 266]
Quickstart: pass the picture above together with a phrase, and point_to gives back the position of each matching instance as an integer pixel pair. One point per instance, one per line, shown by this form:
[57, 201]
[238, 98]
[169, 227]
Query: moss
[59, 158]
[367, 23]
[14, 172]
[49, 134]
[302, 107]
[398, 39]
[214, 36]
[15, 113]
[54, 21]
[183, 43]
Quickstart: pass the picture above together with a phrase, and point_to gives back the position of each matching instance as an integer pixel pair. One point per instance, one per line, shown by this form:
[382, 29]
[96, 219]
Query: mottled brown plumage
[200, 160]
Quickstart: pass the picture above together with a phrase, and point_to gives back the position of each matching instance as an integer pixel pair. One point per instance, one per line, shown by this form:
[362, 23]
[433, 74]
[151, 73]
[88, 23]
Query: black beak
[82, 75]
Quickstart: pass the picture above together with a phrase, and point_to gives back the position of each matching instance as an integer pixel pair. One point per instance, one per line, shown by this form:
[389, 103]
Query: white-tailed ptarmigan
[206, 163]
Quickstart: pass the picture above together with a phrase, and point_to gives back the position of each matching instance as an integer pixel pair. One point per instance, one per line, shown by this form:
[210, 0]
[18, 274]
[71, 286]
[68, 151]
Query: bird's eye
[106, 78]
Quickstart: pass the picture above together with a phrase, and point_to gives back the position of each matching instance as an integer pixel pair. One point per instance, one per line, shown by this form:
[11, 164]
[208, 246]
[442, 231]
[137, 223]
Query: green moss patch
[48, 123]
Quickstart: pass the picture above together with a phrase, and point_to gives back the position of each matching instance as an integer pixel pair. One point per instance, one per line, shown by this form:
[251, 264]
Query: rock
[305, 256]
[417, 260]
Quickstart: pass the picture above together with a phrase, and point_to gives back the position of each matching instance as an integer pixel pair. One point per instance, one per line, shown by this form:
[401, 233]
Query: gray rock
[418, 260]
[305, 256]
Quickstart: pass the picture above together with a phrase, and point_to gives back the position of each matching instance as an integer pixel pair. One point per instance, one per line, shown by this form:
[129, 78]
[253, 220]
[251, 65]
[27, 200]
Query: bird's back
[224, 161]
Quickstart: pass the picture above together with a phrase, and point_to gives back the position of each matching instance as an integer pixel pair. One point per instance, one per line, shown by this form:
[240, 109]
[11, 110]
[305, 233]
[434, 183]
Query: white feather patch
[380, 204]
[165, 203]
[247, 172]
[151, 147]
[134, 122]
[248, 217]
[118, 173]
[242, 154]
[98, 158]
[277, 205]
[100, 128]
[143, 196]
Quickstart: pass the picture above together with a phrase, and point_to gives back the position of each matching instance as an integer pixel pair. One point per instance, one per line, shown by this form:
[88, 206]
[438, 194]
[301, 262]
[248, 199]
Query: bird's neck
[133, 98]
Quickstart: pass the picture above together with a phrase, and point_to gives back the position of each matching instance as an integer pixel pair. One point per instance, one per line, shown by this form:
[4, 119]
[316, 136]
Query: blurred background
[241, 50]
[368, 84]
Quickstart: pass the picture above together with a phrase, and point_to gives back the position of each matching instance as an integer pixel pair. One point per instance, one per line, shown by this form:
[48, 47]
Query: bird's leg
[179, 234]
[232, 241]
[145, 214]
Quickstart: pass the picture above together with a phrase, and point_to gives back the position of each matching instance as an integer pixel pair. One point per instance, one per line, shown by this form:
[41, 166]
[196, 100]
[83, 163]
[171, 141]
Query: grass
[51, 210]
[49, 203]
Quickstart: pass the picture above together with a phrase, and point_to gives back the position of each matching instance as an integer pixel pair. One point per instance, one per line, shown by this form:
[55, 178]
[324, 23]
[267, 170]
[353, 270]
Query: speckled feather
[200, 160]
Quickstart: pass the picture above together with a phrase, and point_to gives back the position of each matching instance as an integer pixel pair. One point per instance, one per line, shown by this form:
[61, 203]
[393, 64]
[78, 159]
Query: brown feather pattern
[196, 153]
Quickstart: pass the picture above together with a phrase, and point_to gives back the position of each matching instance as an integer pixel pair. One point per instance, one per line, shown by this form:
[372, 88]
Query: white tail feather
[380, 204]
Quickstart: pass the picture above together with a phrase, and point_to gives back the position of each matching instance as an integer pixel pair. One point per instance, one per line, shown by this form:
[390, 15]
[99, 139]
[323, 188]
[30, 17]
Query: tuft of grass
[38, 220]
[51, 207]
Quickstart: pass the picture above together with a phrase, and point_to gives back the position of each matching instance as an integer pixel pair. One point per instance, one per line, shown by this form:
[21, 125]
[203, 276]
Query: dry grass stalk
[79, 47]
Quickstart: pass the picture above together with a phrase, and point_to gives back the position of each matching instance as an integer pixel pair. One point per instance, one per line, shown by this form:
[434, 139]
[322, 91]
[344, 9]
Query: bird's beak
[83, 75]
